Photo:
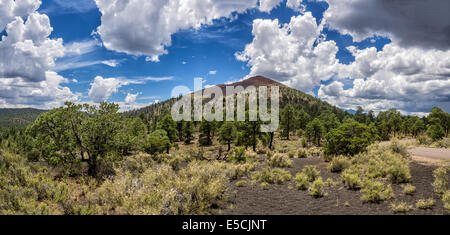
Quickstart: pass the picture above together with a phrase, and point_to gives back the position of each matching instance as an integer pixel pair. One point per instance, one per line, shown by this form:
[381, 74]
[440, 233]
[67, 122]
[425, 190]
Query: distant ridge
[18, 117]
[298, 99]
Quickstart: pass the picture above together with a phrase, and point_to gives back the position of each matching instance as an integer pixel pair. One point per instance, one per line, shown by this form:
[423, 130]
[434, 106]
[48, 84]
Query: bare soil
[287, 200]
[432, 153]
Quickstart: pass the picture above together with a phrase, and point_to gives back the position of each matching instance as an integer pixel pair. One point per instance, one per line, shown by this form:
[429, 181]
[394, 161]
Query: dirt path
[432, 153]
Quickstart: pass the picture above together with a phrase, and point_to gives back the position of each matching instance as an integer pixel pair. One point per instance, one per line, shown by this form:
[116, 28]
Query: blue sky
[97, 45]
[194, 53]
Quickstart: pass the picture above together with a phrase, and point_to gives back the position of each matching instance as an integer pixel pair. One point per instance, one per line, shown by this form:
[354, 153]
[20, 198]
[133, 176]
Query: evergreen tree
[170, 126]
[287, 121]
[188, 133]
[302, 119]
[227, 134]
[315, 131]
[206, 131]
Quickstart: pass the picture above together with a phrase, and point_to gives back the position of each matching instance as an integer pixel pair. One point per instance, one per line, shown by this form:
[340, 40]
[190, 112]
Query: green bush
[399, 148]
[440, 180]
[409, 189]
[446, 200]
[436, 132]
[279, 160]
[272, 176]
[311, 172]
[351, 178]
[425, 204]
[339, 164]
[349, 139]
[302, 153]
[29, 189]
[157, 142]
[195, 189]
[398, 171]
[401, 208]
[423, 140]
[375, 191]
[317, 188]
[302, 182]
[239, 155]
[241, 183]
[291, 154]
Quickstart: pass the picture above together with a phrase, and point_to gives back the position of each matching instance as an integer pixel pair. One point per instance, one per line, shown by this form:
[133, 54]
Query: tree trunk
[92, 171]
[229, 145]
[271, 140]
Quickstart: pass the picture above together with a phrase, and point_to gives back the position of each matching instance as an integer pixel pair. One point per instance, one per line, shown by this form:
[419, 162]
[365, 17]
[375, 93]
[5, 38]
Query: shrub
[239, 155]
[242, 170]
[436, 132]
[195, 189]
[339, 164]
[29, 189]
[422, 140]
[351, 178]
[425, 204]
[241, 183]
[399, 148]
[398, 171]
[291, 154]
[311, 172]
[317, 188]
[374, 191]
[440, 180]
[157, 142]
[326, 157]
[301, 153]
[272, 176]
[301, 179]
[330, 182]
[409, 189]
[401, 208]
[279, 160]
[446, 200]
[304, 143]
[349, 139]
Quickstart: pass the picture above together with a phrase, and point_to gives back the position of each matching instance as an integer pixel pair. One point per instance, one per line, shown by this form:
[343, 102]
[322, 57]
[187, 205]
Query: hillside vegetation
[84, 159]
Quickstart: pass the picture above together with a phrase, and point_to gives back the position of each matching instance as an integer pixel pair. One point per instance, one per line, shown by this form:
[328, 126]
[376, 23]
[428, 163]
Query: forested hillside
[299, 100]
[18, 117]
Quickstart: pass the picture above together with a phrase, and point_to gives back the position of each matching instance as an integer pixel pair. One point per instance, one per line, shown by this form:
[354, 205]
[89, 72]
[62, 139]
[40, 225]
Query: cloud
[19, 93]
[214, 72]
[10, 9]
[111, 63]
[410, 78]
[145, 27]
[26, 51]
[412, 23]
[103, 88]
[287, 53]
[268, 5]
[413, 80]
[27, 58]
[131, 98]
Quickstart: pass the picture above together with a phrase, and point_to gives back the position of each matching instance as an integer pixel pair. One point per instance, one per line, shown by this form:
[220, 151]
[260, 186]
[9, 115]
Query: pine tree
[227, 134]
[287, 121]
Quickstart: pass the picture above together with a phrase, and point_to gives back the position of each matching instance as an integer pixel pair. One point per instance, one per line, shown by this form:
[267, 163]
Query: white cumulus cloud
[145, 27]
[103, 88]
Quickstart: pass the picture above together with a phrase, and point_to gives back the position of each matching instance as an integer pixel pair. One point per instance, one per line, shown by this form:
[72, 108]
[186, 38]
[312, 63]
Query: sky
[377, 54]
